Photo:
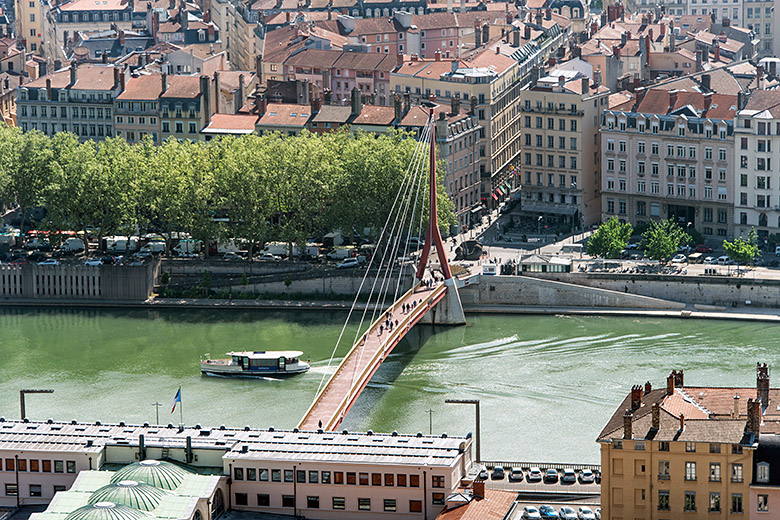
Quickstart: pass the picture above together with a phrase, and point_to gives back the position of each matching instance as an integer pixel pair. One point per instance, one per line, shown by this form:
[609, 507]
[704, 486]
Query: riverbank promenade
[341, 391]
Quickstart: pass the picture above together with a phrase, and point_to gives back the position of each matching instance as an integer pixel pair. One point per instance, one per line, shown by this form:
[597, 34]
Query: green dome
[106, 511]
[156, 473]
[129, 493]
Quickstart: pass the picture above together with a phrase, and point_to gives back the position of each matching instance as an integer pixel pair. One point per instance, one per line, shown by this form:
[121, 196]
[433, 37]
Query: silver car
[567, 513]
[586, 513]
[531, 513]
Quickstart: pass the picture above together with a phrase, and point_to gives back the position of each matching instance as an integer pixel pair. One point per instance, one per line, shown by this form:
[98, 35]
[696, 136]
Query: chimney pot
[735, 413]
[762, 383]
[682, 422]
[478, 488]
[648, 387]
[628, 425]
[636, 397]
[656, 416]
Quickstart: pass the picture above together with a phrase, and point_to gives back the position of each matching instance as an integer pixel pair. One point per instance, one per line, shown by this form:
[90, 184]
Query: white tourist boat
[255, 364]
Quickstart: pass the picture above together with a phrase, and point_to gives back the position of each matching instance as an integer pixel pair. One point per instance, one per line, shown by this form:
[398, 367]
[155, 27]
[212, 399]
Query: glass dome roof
[159, 474]
[129, 493]
[107, 511]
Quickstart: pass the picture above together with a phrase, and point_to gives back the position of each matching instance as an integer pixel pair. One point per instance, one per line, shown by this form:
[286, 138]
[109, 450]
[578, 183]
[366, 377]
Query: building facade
[669, 155]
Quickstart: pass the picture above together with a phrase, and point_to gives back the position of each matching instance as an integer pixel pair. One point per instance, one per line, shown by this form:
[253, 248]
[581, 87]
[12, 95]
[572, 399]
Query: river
[547, 384]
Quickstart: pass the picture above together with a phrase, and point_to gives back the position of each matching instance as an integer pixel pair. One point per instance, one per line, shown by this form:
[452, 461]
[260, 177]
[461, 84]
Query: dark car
[19, 261]
[550, 476]
[546, 511]
[701, 248]
[498, 473]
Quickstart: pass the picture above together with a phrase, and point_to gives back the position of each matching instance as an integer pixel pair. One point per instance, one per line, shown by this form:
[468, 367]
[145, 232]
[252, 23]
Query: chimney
[498, 49]
[516, 38]
[699, 67]
[663, 29]
[636, 397]
[478, 488]
[485, 33]
[656, 416]
[623, 38]
[670, 384]
[238, 104]
[648, 387]
[539, 17]
[455, 103]
[316, 105]
[210, 31]
[722, 37]
[155, 24]
[585, 86]
[707, 102]
[357, 105]
[205, 98]
[628, 425]
[679, 381]
[261, 103]
[636, 84]
[672, 103]
[414, 57]
[397, 112]
[164, 80]
[527, 32]
[735, 413]
[682, 422]
[116, 77]
[217, 87]
[432, 98]
[706, 81]
[509, 17]
[551, 62]
[121, 38]
[741, 100]
[762, 383]
[121, 81]
[650, 34]
[48, 89]
[753, 424]
[437, 55]
[561, 80]
[597, 77]
[716, 51]
[206, 17]
[548, 14]
[726, 22]
[74, 73]
[407, 102]
[594, 28]
[473, 106]
[759, 74]
[616, 51]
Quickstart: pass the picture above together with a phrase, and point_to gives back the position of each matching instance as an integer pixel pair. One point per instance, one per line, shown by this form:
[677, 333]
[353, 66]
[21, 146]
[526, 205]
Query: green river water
[547, 384]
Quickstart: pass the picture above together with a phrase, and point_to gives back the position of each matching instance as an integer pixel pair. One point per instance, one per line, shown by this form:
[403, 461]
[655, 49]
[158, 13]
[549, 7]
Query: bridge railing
[394, 335]
[490, 464]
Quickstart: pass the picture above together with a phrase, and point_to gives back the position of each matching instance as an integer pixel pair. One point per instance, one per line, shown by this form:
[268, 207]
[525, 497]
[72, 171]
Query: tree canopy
[742, 251]
[255, 188]
[662, 239]
[609, 239]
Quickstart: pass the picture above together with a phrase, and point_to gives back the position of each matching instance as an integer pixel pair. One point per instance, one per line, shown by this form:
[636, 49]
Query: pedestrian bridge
[355, 371]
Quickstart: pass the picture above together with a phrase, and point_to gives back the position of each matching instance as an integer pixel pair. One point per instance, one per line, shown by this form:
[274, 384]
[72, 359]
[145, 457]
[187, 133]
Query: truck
[187, 247]
[72, 245]
[121, 244]
[340, 252]
[223, 246]
[155, 247]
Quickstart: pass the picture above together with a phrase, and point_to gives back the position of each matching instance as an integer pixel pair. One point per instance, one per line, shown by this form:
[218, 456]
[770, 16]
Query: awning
[494, 196]
[508, 187]
[541, 207]
[501, 190]
[476, 209]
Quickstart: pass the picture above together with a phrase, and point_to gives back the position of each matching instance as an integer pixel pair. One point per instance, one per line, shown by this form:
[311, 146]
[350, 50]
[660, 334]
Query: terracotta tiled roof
[316, 58]
[494, 506]
[169, 27]
[332, 114]
[730, 45]
[228, 79]
[375, 115]
[281, 114]
[89, 77]
[657, 101]
[365, 61]
[427, 22]
[231, 124]
[95, 5]
[147, 87]
[184, 87]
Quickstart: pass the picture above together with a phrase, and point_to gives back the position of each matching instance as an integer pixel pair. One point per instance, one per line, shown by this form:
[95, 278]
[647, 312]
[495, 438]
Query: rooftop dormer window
[762, 472]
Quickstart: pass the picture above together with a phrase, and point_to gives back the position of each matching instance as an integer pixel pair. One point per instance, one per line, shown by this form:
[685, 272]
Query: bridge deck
[342, 390]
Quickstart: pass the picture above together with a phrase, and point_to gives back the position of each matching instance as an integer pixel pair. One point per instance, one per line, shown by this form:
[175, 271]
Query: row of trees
[265, 188]
[661, 240]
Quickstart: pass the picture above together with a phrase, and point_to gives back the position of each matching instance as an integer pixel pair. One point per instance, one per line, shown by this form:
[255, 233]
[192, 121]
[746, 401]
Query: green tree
[742, 251]
[32, 173]
[662, 239]
[609, 239]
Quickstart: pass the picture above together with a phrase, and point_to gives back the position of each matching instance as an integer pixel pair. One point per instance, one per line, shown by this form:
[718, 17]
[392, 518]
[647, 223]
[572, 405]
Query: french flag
[176, 399]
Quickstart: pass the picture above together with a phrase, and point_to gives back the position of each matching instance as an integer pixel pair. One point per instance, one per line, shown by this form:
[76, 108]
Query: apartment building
[186, 106]
[78, 99]
[560, 154]
[757, 138]
[490, 83]
[684, 452]
[758, 16]
[29, 15]
[668, 154]
[328, 475]
[137, 109]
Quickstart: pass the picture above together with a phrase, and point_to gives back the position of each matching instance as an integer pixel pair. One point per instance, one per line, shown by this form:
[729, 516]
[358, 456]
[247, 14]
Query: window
[690, 471]
[663, 500]
[736, 473]
[241, 499]
[663, 446]
[641, 147]
[401, 480]
[389, 477]
[364, 504]
[289, 476]
[376, 479]
[313, 477]
[690, 501]
[414, 481]
[736, 503]
[313, 502]
[437, 481]
[326, 477]
[762, 472]
[714, 472]
[736, 449]
[238, 473]
[762, 505]
[663, 470]
[714, 503]
[58, 465]
[351, 478]
[363, 479]
[34, 466]
[288, 501]
[35, 490]
[70, 466]
[415, 506]
[437, 499]
[57, 489]
[47, 466]
[263, 500]
[690, 447]
[339, 503]
[390, 505]
[639, 446]
[11, 490]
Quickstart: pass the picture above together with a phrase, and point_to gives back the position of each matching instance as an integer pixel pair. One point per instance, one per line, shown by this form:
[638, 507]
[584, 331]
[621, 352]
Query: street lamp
[474, 402]
[27, 391]
[539, 225]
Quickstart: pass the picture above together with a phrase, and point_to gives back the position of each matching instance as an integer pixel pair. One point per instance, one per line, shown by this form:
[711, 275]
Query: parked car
[679, 259]
[483, 474]
[569, 476]
[232, 256]
[550, 476]
[265, 255]
[19, 261]
[546, 511]
[701, 248]
[567, 513]
[49, 261]
[587, 476]
[531, 513]
[347, 263]
[586, 513]
[777, 251]
[534, 475]
[710, 260]
[632, 245]
[684, 249]
[111, 260]
[94, 262]
[516, 475]
[598, 513]
[498, 473]
[724, 260]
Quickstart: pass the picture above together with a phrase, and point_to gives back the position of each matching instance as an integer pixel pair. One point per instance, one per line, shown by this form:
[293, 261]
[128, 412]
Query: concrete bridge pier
[449, 311]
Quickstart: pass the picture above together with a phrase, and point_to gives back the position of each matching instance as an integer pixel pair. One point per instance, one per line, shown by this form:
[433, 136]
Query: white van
[72, 245]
